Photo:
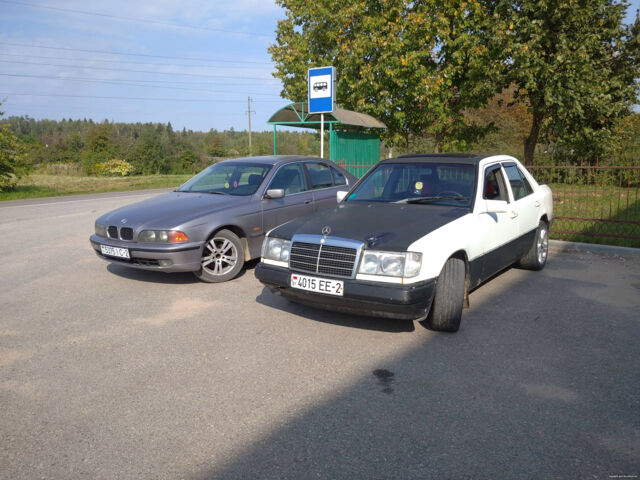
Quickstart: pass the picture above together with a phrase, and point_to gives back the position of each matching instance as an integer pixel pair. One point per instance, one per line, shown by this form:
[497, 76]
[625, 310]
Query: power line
[135, 71]
[133, 19]
[99, 60]
[105, 97]
[132, 54]
[120, 82]
[41, 108]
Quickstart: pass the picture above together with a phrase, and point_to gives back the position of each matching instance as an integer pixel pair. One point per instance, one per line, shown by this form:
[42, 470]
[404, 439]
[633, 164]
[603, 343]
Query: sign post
[322, 95]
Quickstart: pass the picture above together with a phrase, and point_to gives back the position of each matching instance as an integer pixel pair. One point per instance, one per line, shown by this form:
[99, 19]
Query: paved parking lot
[111, 373]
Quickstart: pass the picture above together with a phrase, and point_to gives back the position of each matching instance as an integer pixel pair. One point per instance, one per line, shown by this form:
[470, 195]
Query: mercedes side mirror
[496, 206]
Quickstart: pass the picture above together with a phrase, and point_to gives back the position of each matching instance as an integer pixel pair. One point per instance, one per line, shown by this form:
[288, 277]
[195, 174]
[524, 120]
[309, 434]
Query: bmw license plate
[319, 285]
[115, 251]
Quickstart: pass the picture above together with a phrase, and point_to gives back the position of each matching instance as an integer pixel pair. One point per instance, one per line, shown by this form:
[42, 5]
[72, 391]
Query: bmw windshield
[228, 178]
[419, 183]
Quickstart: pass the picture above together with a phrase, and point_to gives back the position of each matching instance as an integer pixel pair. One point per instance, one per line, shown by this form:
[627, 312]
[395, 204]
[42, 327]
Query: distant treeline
[84, 147]
[112, 148]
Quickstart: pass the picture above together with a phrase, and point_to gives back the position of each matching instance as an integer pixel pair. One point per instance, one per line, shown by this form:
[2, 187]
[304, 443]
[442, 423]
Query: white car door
[498, 222]
[528, 205]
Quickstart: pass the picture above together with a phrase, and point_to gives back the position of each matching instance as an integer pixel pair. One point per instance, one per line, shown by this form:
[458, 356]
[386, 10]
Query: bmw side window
[515, 180]
[289, 178]
[494, 187]
[338, 177]
[319, 174]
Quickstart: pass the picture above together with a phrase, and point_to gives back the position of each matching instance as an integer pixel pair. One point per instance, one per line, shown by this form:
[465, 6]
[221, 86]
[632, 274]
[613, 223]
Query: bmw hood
[385, 226]
[170, 209]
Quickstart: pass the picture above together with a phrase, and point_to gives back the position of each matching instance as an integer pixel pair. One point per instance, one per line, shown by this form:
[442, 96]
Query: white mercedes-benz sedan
[412, 238]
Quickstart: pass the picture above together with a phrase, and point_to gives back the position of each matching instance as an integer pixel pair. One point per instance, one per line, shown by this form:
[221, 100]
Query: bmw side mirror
[274, 193]
[341, 195]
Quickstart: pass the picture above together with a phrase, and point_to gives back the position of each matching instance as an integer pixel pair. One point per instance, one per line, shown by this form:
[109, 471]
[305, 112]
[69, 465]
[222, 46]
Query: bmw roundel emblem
[326, 230]
[124, 220]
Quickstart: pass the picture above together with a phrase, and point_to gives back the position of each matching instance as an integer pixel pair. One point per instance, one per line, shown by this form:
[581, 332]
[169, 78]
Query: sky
[189, 62]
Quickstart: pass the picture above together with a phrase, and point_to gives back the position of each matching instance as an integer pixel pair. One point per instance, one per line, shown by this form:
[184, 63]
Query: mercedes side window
[515, 180]
[289, 178]
[525, 183]
[319, 174]
[494, 186]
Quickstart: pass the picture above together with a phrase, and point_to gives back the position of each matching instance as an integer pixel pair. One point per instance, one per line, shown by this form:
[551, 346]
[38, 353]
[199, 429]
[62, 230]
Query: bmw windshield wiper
[212, 192]
[432, 199]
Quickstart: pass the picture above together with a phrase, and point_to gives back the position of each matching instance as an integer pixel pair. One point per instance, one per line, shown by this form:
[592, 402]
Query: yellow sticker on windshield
[419, 185]
[226, 184]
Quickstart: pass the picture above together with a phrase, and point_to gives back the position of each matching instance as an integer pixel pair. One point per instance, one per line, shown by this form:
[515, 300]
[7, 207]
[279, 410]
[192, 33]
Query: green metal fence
[356, 151]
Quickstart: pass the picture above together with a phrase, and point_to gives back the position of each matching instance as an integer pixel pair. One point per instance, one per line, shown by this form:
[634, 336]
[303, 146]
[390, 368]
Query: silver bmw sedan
[216, 221]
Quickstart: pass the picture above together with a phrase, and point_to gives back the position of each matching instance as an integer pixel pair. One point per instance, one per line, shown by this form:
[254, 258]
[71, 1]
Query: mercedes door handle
[307, 202]
[513, 214]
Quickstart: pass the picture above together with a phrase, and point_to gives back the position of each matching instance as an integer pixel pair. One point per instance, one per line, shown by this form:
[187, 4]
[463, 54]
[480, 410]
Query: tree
[12, 157]
[417, 66]
[574, 63]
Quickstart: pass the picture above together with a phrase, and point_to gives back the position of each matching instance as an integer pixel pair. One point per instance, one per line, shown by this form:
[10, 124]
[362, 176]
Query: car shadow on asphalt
[538, 383]
[351, 321]
[177, 278]
[181, 278]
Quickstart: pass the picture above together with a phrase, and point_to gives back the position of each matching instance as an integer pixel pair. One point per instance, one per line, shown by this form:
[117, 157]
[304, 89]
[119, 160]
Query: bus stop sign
[322, 89]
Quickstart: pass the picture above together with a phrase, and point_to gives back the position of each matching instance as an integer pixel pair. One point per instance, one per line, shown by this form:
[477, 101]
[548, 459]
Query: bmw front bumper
[372, 299]
[184, 257]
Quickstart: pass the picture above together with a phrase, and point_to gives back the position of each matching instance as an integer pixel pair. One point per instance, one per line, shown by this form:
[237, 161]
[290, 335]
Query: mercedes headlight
[391, 264]
[276, 249]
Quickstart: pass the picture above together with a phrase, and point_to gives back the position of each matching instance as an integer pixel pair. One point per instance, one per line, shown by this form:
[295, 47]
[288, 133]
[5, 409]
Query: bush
[12, 158]
[114, 168]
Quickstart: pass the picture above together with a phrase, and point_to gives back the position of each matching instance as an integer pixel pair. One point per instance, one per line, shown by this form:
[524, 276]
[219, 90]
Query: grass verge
[42, 185]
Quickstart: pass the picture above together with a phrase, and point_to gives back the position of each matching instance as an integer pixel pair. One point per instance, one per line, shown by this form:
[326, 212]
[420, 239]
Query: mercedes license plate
[115, 251]
[319, 285]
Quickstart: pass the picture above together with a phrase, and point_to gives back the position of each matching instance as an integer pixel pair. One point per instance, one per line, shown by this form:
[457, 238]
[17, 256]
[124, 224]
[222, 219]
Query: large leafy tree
[415, 65]
[575, 64]
[12, 157]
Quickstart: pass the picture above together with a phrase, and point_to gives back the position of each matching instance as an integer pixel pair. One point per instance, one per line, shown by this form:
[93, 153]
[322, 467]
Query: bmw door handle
[513, 214]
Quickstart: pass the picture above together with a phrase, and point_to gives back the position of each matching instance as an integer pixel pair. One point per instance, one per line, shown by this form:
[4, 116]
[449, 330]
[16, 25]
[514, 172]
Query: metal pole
[249, 115]
[275, 144]
[322, 135]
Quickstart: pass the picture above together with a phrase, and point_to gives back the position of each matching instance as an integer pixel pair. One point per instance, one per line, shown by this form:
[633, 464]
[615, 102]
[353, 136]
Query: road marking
[77, 201]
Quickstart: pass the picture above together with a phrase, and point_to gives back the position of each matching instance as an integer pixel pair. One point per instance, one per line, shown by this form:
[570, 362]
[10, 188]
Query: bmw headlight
[101, 230]
[162, 236]
[276, 249]
[391, 264]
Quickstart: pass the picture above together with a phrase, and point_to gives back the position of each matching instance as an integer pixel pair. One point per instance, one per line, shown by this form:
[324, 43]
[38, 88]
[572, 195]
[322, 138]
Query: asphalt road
[111, 373]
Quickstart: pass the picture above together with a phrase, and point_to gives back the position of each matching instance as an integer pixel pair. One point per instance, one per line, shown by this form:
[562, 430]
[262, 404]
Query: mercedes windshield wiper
[432, 199]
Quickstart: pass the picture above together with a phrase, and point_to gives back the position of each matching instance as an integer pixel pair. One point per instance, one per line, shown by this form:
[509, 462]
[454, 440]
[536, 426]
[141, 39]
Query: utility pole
[249, 115]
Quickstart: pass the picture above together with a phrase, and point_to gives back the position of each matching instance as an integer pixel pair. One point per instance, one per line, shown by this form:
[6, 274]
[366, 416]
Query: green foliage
[114, 168]
[575, 64]
[417, 66]
[149, 148]
[13, 162]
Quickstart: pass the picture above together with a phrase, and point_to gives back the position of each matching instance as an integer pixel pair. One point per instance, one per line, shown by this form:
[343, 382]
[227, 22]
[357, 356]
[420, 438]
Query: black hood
[387, 226]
